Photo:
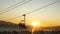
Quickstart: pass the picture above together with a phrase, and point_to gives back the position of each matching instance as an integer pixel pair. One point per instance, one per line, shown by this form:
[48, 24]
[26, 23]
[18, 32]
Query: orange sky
[49, 16]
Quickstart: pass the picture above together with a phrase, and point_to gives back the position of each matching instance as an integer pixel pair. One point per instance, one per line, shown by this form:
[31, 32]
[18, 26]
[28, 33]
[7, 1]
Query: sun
[35, 24]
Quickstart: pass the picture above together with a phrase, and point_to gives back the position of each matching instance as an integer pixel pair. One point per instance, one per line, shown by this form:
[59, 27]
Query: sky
[49, 16]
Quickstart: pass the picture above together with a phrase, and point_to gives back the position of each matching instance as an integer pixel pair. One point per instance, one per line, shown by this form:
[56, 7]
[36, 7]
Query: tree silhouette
[22, 26]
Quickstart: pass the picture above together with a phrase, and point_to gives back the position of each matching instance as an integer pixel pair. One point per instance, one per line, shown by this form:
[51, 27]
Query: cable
[12, 6]
[38, 9]
[15, 7]
[43, 7]
[15, 17]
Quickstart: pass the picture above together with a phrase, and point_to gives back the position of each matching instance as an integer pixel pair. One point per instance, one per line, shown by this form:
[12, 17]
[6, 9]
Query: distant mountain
[4, 23]
[8, 25]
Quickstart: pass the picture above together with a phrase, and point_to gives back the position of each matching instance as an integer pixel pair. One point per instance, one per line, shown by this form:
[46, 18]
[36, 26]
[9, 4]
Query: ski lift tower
[22, 23]
[24, 17]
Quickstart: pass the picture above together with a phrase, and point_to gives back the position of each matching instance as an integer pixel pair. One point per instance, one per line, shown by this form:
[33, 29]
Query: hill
[8, 25]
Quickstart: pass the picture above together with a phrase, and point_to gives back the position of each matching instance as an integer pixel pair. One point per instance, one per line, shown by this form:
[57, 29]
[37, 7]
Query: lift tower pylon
[24, 17]
[23, 22]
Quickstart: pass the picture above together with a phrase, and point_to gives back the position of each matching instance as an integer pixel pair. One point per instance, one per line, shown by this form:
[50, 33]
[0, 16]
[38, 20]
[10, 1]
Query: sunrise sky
[49, 16]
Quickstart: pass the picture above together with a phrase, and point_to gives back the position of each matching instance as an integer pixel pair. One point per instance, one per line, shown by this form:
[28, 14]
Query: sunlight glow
[35, 24]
